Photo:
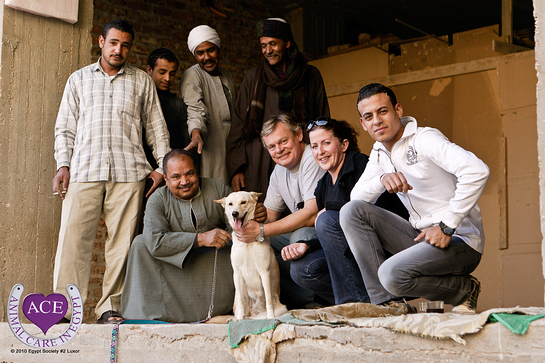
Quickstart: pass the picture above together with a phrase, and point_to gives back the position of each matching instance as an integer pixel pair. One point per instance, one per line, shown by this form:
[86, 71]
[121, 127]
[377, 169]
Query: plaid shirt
[98, 133]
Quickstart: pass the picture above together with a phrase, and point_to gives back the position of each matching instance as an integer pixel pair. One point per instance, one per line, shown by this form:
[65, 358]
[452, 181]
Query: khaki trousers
[81, 210]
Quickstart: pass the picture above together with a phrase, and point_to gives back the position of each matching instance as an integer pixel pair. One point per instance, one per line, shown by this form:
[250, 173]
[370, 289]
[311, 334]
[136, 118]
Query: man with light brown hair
[291, 190]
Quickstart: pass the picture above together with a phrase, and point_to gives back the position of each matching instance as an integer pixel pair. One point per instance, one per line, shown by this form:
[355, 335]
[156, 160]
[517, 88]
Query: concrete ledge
[209, 343]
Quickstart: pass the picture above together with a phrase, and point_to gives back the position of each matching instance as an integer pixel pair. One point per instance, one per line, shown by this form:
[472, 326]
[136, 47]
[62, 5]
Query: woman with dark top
[335, 149]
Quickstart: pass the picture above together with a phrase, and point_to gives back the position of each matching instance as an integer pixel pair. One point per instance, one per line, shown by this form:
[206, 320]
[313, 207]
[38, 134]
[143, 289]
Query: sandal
[105, 317]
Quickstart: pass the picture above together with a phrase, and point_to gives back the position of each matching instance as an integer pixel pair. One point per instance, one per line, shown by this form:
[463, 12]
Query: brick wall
[166, 23]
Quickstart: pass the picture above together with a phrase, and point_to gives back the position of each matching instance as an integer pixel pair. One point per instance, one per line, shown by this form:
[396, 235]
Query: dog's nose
[235, 214]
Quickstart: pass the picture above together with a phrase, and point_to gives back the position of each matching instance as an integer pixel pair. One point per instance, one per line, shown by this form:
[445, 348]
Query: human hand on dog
[248, 233]
[294, 251]
[217, 238]
[260, 214]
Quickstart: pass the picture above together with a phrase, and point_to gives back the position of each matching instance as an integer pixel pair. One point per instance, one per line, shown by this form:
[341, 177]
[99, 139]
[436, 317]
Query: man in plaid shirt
[101, 164]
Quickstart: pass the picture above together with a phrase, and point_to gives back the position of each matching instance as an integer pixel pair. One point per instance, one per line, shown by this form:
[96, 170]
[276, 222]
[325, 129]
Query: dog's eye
[243, 202]
[231, 203]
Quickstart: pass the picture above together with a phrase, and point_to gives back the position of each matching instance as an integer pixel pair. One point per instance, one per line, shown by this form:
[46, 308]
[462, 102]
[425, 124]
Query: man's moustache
[185, 186]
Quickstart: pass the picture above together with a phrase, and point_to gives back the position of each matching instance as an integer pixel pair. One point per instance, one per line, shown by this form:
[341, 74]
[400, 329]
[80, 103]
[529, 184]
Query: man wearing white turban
[209, 92]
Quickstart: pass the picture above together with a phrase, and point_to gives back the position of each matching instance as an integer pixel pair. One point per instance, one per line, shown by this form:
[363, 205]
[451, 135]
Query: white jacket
[447, 181]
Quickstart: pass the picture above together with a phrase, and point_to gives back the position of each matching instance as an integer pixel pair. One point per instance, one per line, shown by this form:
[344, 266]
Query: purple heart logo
[45, 312]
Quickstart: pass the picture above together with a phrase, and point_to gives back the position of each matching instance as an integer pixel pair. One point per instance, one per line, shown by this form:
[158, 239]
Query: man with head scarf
[209, 92]
[282, 83]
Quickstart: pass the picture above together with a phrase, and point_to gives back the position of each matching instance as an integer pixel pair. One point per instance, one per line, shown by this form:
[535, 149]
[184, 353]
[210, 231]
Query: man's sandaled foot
[110, 317]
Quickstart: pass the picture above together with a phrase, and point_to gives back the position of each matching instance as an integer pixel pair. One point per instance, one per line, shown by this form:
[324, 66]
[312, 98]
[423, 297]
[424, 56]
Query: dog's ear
[255, 195]
[221, 201]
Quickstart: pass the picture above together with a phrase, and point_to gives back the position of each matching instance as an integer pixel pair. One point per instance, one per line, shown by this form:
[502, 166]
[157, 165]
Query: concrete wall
[197, 343]
[38, 54]
[539, 15]
[485, 102]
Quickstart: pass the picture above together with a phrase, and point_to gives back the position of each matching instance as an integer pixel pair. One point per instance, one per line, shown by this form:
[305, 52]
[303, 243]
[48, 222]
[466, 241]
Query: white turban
[201, 34]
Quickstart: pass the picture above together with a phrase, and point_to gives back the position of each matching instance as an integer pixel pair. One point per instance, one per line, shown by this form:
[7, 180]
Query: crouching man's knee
[395, 281]
[354, 212]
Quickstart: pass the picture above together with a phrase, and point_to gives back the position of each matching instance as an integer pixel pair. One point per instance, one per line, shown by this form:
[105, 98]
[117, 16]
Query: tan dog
[256, 273]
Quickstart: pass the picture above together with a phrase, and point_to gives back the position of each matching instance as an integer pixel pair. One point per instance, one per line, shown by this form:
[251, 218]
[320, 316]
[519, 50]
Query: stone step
[209, 343]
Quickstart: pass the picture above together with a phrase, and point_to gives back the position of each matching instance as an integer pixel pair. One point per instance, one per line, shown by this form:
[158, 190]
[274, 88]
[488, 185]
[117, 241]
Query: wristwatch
[260, 237]
[446, 229]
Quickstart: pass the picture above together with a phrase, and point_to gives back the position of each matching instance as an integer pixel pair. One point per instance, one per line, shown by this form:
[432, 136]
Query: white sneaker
[470, 305]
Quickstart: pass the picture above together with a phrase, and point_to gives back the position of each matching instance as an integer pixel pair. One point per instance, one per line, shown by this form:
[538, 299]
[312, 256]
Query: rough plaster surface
[209, 343]
[539, 15]
[38, 54]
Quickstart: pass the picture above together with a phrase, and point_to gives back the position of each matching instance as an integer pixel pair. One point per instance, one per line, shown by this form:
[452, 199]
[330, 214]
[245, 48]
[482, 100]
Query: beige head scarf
[200, 34]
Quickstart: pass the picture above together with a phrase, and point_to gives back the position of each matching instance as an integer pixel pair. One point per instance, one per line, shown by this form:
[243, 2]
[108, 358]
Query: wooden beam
[417, 76]
[428, 74]
[502, 195]
[507, 20]
[507, 48]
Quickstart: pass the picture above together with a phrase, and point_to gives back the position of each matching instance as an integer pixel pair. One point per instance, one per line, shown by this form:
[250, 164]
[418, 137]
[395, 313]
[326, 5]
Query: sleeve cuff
[63, 164]
[452, 220]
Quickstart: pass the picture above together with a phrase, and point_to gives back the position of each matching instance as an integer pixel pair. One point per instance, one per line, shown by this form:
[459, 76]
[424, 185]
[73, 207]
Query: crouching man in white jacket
[433, 254]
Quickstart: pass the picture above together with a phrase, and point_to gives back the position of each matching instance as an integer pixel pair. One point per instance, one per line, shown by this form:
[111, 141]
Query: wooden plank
[502, 194]
[450, 70]
[507, 20]
[507, 48]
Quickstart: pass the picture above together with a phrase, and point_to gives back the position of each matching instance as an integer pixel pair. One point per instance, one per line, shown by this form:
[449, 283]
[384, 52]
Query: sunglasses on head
[320, 121]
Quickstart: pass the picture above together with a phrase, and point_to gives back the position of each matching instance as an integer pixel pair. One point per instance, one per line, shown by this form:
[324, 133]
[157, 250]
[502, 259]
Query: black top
[334, 196]
[175, 112]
